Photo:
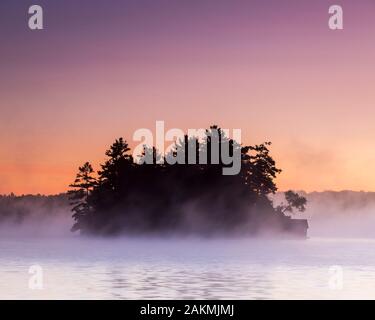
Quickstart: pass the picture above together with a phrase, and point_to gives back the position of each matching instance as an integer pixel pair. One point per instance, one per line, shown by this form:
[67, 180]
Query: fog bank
[347, 214]
[330, 214]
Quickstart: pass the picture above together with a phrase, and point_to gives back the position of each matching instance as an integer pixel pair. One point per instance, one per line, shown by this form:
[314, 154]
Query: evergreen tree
[80, 195]
[112, 169]
[259, 169]
[140, 197]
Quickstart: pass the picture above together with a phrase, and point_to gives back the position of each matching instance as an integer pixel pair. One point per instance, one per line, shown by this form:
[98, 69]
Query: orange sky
[68, 91]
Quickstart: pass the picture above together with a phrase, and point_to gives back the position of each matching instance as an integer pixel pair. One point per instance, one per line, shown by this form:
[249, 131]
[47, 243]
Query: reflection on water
[186, 269]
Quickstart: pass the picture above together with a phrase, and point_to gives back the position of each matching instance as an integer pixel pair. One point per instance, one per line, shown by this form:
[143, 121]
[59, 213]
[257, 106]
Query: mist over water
[345, 214]
[341, 230]
[35, 216]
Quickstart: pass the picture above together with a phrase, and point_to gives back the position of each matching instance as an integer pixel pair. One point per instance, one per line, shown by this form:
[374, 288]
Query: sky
[103, 69]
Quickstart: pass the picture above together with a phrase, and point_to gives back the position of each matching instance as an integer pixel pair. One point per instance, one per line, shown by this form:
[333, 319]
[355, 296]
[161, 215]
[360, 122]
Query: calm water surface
[77, 268]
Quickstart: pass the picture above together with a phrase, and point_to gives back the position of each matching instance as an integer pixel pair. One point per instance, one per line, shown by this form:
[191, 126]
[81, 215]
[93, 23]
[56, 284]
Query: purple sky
[102, 69]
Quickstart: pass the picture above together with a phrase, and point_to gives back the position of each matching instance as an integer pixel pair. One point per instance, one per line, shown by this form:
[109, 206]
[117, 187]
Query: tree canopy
[132, 197]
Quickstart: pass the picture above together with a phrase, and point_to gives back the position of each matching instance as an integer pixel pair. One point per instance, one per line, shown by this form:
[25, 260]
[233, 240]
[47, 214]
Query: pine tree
[79, 196]
[111, 172]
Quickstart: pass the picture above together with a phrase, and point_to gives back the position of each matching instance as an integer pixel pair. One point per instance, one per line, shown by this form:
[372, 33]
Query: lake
[81, 268]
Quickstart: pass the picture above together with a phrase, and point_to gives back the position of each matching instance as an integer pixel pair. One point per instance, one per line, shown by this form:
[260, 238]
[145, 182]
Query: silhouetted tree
[79, 195]
[259, 169]
[112, 168]
[137, 197]
[293, 201]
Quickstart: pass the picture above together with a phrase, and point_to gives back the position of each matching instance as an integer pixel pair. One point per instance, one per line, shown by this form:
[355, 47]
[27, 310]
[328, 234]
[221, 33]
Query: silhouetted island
[132, 197]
